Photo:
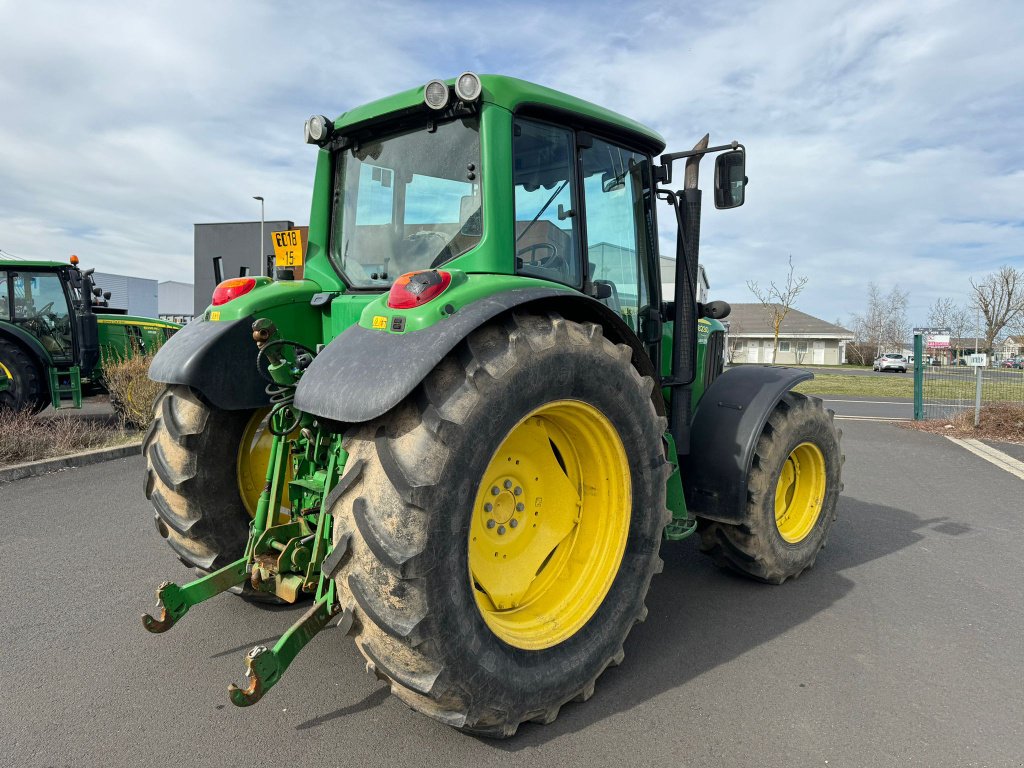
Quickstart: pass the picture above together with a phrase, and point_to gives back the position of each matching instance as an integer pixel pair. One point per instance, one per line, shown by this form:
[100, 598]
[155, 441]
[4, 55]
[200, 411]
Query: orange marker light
[74, 260]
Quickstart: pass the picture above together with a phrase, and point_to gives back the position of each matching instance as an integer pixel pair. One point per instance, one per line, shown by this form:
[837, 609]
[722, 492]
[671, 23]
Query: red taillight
[232, 289]
[414, 289]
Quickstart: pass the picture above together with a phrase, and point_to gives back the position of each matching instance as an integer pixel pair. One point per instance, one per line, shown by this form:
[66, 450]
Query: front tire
[792, 495]
[25, 389]
[486, 618]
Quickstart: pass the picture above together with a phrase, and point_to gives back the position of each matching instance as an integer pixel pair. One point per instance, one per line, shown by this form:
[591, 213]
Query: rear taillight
[232, 289]
[414, 289]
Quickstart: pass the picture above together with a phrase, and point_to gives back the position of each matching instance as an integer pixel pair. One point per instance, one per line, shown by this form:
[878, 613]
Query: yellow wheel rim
[251, 462]
[800, 492]
[549, 525]
[6, 371]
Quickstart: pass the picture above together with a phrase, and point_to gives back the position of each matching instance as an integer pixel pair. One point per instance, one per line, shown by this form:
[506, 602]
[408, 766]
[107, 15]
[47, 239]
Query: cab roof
[31, 264]
[516, 96]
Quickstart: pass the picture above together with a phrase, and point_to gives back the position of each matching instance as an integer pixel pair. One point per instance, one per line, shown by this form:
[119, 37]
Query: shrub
[24, 437]
[131, 391]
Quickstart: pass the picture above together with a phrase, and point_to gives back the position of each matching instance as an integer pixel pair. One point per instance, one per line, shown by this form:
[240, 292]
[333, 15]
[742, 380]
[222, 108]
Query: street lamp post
[262, 256]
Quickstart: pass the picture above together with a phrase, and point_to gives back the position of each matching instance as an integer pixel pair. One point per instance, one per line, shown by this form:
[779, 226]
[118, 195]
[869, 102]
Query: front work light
[414, 289]
[467, 87]
[435, 94]
[232, 289]
[318, 129]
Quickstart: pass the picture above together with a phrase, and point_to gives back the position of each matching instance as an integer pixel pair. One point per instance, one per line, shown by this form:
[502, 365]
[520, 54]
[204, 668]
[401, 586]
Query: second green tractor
[465, 433]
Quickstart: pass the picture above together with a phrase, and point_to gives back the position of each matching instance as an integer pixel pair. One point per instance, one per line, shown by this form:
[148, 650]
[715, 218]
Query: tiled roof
[752, 320]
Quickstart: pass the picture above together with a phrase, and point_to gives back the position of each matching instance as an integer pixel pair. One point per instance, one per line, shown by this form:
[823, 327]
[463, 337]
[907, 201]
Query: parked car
[1014, 362]
[890, 361]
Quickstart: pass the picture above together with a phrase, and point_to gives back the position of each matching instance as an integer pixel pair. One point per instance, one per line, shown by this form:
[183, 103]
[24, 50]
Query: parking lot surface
[903, 646]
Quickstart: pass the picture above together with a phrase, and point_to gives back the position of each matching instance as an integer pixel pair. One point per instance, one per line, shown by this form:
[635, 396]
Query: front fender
[728, 422]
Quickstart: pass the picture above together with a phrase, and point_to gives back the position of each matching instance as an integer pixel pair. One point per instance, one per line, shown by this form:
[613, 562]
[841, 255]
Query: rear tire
[26, 390]
[786, 522]
[409, 517]
[192, 482]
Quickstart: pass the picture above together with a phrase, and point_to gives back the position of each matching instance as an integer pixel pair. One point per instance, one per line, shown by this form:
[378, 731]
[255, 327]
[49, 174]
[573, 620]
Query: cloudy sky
[882, 137]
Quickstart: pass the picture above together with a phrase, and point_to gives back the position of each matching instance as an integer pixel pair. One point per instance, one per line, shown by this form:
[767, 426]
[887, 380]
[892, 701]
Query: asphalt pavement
[903, 646]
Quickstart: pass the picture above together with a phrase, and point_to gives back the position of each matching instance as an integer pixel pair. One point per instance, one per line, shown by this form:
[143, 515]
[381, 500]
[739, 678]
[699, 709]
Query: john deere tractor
[57, 331]
[469, 428]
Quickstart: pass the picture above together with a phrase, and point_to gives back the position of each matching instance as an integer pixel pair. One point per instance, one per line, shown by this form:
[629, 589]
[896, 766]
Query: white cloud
[882, 136]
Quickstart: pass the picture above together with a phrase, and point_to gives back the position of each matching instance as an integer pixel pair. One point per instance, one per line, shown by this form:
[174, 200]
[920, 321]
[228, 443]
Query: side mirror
[730, 179]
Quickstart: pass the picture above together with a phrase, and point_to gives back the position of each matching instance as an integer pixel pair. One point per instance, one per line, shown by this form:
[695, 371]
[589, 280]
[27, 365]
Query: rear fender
[217, 359]
[728, 422]
[364, 373]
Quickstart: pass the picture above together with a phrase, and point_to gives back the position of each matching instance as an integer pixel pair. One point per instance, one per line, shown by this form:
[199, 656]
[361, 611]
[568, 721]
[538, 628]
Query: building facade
[238, 244]
[136, 295]
[803, 339]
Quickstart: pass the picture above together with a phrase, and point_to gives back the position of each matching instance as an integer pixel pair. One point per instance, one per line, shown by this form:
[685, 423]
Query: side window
[5, 304]
[616, 193]
[546, 222]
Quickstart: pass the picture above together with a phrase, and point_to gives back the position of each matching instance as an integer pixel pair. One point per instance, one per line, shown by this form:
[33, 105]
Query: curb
[84, 459]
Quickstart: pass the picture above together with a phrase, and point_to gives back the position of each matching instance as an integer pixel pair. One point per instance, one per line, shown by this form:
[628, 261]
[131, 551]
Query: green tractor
[56, 332]
[49, 338]
[467, 430]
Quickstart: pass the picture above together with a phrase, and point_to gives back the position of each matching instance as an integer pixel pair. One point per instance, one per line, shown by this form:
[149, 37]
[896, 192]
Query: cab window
[617, 197]
[40, 306]
[547, 228]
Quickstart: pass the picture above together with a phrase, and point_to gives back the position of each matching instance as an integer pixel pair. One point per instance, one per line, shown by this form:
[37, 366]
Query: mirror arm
[663, 172]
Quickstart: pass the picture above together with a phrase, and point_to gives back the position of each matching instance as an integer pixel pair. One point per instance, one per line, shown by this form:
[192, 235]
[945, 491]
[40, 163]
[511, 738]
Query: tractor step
[65, 387]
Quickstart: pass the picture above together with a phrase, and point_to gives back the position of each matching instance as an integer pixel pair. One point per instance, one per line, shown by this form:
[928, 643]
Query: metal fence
[943, 391]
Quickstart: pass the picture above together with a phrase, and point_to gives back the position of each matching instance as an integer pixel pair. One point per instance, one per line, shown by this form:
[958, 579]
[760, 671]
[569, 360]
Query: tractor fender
[364, 373]
[29, 343]
[725, 429]
[217, 360]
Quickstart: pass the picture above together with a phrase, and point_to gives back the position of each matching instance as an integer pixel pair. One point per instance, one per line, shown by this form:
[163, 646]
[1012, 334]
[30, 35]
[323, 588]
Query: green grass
[859, 386]
[936, 387]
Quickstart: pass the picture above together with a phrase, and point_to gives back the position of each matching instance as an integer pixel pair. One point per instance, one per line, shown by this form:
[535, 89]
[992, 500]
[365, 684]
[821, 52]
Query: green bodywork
[290, 558]
[124, 336]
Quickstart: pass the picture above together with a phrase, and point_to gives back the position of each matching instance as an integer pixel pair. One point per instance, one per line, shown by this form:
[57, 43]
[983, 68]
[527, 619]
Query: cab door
[621, 250]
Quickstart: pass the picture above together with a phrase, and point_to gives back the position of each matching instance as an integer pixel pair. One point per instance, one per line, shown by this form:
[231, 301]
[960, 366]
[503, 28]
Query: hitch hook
[172, 605]
[261, 672]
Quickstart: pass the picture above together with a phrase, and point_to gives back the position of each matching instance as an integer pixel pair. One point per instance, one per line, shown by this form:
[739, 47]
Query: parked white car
[890, 361]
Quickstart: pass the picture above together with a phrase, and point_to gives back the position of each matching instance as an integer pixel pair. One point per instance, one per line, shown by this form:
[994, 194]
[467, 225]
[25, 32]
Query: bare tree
[883, 325]
[777, 302]
[1000, 299]
[946, 313]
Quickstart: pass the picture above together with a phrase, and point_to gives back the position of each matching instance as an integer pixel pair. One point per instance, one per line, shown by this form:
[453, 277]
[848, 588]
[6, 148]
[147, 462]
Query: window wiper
[541, 211]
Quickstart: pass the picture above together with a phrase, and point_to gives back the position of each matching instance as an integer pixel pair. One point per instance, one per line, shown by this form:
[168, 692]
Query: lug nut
[491, 523]
[494, 490]
[513, 522]
[518, 491]
[508, 484]
[520, 507]
[501, 530]
[488, 507]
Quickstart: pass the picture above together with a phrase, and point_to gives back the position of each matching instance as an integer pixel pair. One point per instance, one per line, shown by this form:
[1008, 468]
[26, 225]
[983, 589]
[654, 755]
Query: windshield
[406, 202]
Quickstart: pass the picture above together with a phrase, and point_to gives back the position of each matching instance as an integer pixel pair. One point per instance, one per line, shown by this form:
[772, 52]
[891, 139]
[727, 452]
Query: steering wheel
[45, 310]
[544, 261]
